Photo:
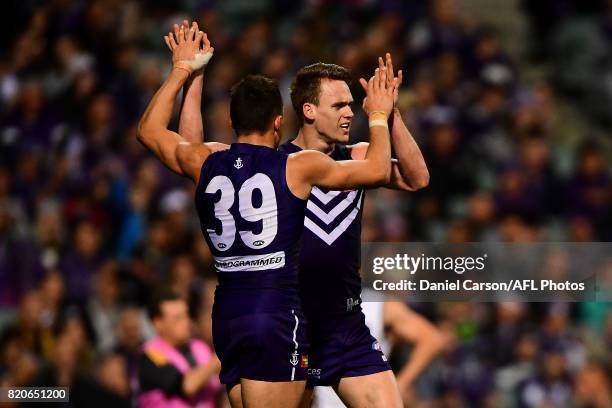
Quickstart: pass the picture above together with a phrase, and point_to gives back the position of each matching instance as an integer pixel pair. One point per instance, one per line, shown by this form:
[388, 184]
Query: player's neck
[310, 139]
[266, 139]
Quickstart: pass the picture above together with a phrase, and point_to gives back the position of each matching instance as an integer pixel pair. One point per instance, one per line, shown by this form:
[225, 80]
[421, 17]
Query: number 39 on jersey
[266, 212]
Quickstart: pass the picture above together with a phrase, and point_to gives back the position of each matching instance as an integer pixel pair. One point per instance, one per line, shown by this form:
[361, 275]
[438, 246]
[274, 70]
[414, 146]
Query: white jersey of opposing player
[325, 397]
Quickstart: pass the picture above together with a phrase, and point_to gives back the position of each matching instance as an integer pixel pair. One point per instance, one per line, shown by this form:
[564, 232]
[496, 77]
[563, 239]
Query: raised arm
[408, 171]
[173, 150]
[191, 126]
[311, 168]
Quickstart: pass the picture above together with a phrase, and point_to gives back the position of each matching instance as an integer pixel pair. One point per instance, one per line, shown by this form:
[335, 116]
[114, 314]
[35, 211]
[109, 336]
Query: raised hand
[388, 63]
[379, 93]
[190, 47]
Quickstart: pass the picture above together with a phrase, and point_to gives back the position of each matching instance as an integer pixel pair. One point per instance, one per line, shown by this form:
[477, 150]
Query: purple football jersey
[252, 223]
[330, 284]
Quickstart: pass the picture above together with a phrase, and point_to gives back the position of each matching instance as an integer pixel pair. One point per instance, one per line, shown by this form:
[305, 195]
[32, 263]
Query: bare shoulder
[302, 168]
[359, 150]
[216, 146]
[306, 156]
[191, 157]
[306, 159]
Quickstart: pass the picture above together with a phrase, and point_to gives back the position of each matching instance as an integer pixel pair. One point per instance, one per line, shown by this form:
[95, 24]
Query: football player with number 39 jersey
[251, 200]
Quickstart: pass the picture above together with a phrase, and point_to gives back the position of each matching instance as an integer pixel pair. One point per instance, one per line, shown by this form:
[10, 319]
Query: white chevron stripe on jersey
[324, 197]
[329, 217]
[329, 238]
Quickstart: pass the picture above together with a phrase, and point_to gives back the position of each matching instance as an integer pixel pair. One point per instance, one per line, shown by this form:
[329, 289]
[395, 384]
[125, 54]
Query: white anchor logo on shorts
[294, 358]
[238, 163]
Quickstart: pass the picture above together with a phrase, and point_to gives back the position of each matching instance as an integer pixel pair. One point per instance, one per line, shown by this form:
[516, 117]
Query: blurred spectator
[175, 368]
[103, 309]
[550, 386]
[111, 374]
[80, 263]
[593, 387]
[130, 336]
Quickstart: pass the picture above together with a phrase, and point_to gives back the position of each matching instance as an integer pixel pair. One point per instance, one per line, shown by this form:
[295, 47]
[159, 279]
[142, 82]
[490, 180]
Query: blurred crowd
[91, 223]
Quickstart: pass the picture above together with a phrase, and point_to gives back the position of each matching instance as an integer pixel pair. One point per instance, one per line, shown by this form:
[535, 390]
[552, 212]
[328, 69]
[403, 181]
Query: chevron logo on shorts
[332, 211]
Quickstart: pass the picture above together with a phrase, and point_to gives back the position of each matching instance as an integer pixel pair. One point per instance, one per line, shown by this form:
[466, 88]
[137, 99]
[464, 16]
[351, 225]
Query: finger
[382, 79]
[191, 33]
[371, 83]
[400, 77]
[198, 38]
[167, 41]
[364, 84]
[177, 32]
[380, 62]
[206, 41]
[186, 23]
[389, 66]
[172, 40]
[395, 86]
[386, 85]
[376, 81]
[385, 81]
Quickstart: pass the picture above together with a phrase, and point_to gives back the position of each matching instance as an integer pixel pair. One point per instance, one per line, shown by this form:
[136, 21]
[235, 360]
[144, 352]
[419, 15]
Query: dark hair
[159, 297]
[254, 103]
[306, 86]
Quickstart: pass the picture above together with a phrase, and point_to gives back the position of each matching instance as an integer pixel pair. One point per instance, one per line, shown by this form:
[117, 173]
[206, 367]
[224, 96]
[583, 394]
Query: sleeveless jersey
[330, 284]
[253, 225]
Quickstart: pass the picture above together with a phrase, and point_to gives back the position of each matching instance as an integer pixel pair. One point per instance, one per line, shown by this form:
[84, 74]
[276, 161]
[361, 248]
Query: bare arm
[198, 377]
[314, 168]
[409, 171]
[191, 125]
[174, 151]
[190, 119]
[406, 326]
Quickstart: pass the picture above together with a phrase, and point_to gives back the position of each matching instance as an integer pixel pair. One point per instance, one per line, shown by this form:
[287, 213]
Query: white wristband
[199, 61]
[378, 122]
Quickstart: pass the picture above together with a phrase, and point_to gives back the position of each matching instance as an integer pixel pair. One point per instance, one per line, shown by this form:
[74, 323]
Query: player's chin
[342, 136]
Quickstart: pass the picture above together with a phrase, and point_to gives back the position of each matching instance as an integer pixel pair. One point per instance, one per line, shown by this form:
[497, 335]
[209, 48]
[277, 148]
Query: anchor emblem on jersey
[294, 358]
[238, 163]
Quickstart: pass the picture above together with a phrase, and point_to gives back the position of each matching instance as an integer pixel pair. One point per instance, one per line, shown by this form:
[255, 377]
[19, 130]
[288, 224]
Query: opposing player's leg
[234, 393]
[373, 391]
[265, 394]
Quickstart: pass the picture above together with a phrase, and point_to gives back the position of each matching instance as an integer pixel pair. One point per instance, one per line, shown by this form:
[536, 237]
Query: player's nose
[349, 113]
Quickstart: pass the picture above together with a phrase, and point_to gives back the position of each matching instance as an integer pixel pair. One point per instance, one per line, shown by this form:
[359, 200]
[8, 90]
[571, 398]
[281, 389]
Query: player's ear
[309, 110]
[278, 123]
